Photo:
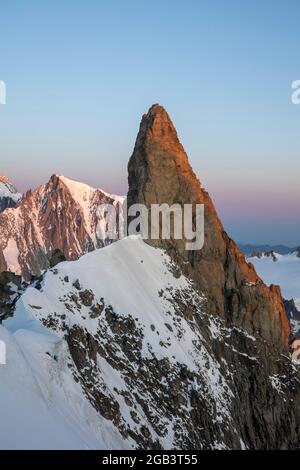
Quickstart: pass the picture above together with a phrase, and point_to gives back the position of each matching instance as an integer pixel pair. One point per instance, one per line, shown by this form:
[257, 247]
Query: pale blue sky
[80, 73]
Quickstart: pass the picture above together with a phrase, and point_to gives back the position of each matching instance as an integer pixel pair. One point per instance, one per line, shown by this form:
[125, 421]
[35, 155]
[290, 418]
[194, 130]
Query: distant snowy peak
[261, 251]
[285, 273]
[63, 215]
[83, 194]
[8, 188]
[272, 255]
[90, 201]
[9, 195]
[250, 250]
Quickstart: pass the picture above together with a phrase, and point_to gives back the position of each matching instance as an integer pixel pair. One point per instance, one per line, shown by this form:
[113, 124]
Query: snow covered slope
[107, 351]
[284, 272]
[41, 406]
[117, 350]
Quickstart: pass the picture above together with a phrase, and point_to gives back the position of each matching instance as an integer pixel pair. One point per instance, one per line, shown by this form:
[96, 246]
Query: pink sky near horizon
[241, 209]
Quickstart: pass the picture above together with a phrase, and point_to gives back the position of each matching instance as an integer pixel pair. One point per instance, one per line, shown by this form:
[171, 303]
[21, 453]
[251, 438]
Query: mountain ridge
[53, 217]
[153, 346]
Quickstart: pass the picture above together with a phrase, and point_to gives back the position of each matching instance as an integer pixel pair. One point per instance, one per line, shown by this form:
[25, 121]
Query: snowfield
[284, 272]
[99, 349]
[41, 407]
[43, 402]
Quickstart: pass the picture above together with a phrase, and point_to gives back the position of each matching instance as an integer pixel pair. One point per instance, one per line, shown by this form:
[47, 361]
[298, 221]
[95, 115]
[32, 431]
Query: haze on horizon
[80, 75]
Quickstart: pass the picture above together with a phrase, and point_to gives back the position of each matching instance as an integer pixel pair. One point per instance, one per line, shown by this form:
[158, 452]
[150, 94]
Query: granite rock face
[158, 173]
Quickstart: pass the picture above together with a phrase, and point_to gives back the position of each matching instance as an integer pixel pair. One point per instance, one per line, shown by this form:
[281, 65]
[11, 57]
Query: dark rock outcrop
[10, 290]
[56, 258]
[6, 203]
[260, 254]
[294, 318]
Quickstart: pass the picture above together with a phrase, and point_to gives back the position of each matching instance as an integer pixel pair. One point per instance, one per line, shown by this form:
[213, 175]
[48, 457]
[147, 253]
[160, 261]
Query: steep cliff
[159, 172]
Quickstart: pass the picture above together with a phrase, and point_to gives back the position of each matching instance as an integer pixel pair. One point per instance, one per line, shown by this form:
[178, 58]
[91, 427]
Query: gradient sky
[80, 74]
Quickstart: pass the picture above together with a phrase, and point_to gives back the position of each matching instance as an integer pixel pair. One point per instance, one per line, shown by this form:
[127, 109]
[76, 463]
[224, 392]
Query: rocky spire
[159, 172]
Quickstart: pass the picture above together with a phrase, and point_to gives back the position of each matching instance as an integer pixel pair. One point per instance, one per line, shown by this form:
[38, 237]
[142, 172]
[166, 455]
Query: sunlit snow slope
[117, 350]
[94, 353]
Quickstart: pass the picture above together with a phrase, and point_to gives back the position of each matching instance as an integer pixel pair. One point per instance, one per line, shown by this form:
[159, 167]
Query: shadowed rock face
[10, 290]
[6, 203]
[159, 172]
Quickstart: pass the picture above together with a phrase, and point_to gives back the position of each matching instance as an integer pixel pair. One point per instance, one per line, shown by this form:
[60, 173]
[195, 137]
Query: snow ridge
[49, 330]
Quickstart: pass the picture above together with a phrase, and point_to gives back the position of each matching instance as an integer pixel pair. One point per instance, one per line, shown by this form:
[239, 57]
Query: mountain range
[62, 216]
[250, 250]
[138, 343]
[9, 196]
[283, 270]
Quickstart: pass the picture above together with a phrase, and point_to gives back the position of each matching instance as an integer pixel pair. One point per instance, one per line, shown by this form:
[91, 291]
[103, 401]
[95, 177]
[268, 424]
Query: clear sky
[80, 74]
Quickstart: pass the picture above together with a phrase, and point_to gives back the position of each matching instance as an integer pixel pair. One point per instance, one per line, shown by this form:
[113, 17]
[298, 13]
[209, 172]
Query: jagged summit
[160, 162]
[157, 125]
